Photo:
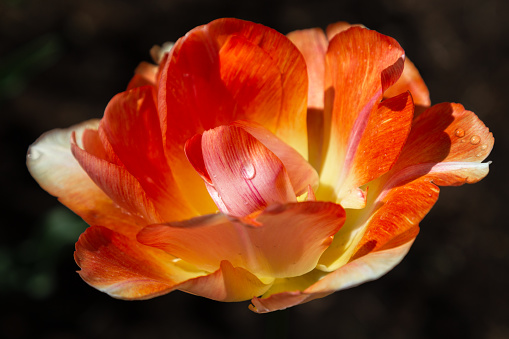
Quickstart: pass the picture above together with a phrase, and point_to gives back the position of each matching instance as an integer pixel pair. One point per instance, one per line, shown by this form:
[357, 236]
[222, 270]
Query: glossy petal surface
[288, 241]
[360, 66]
[125, 269]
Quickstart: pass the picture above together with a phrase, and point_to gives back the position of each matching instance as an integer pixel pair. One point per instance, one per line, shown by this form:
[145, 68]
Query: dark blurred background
[62, 60]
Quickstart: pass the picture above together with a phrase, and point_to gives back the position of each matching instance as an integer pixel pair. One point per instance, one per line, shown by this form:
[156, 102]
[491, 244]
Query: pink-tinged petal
[300, 172]
[281, 301]
[412, 82]
[246, 175]
[360, 65]
[144, 75]
[118, 184]
[334, 29]
[131, 125]
[125, 269]
[288, 242]
[448, 134]
[228, 283]
[313, 44]
[51, 163]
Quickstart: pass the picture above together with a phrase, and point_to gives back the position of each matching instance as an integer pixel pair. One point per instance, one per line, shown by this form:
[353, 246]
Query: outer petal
[291, 124]
[447, 134]
[360, 66]
[145, 74]
[366, 268]
[228, 283]
[118, 184]
[131, 126]
[391, 217]
[312, 43]
[411, 81]
[52, 164]
[125, 269]
[288, 243]
[242, 174]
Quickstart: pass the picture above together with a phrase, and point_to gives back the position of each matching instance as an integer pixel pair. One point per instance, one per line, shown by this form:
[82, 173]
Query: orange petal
[228, 283]
[118, 184]
[411, 81]
[205, 74]
[364, 269]
[391, 216]
[447, 134]
[291, 124]
[300, 172]
[205, 85]
[288, 243]
[131, 125]
[52, 164]
[125, 269]
[145, 74]
[360, 66]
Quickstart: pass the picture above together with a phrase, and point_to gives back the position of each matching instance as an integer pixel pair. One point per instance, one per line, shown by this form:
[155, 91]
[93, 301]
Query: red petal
[125, 269]
[131, 125]
[228, 283]
[288, 243]
[145, 74]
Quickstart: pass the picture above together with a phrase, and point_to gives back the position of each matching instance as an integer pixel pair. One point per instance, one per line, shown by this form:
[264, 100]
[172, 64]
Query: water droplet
[248, 171]
[463, 140]
[484, 147]
[478, 155]
[459, 132]
[475, 139]
[34, 154]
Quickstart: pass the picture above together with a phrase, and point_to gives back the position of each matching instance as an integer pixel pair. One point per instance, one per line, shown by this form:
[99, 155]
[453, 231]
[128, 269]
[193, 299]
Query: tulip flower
[247, 165]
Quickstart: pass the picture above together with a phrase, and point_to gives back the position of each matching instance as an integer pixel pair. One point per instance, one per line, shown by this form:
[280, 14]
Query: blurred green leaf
[17, 68]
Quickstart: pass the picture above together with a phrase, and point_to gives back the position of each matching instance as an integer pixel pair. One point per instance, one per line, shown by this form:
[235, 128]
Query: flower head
[250, 165]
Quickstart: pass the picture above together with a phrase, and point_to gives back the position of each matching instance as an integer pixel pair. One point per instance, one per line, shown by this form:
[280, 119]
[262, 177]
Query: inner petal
[242, 175]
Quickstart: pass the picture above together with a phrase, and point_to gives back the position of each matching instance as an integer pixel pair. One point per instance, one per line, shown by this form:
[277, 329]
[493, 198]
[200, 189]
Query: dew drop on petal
[475, 139]
[484, 147]
[248, 171]
[34, 154]
[459, 132]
